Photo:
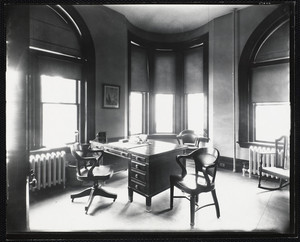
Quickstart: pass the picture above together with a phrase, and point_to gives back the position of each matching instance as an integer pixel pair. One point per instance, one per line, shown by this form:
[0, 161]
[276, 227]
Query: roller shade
[139, 69]
[164, 75]
[193, 70]
[49, 31]
[270, 83]
[56, 67]
[276, 46]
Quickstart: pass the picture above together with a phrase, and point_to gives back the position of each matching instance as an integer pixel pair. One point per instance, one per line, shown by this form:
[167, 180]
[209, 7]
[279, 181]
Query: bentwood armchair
[200, 181]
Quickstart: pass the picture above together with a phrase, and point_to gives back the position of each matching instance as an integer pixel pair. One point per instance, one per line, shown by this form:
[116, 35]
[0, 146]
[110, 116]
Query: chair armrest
[95, 163]
[183, 169]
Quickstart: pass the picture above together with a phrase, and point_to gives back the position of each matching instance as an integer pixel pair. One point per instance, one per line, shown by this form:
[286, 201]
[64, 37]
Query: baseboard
[227, 163]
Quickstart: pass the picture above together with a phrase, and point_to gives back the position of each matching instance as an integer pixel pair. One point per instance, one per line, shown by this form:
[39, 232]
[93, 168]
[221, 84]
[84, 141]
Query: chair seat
[276, 171]
[192, 185]
[101, 173]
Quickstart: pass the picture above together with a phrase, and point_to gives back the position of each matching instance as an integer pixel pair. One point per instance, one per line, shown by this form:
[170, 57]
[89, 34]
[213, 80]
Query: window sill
[248, 144]
[162, 136]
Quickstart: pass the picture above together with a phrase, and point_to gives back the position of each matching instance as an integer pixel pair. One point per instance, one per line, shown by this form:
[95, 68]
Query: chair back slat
[281, 152]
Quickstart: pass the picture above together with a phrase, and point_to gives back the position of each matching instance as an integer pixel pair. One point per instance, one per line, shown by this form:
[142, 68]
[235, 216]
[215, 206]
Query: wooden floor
[244, 209]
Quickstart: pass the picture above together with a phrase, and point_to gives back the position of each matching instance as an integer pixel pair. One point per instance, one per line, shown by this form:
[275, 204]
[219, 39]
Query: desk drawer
[138, 166]
[138, 186]
[138, 175]
[138, 159]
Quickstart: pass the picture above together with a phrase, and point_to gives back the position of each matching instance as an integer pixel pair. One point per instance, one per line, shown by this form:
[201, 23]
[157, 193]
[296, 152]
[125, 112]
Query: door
[17, 156]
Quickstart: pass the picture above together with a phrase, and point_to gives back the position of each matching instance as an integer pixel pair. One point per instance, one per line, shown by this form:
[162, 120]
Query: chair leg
[84, 193]
[171, 195]
[281, 185]
[91, 197]
[259, 178]
[192, 208]
[101, 192]
[216, 203]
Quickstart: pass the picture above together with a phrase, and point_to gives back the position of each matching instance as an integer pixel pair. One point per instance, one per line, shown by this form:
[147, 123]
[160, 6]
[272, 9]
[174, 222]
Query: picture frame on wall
[111, 96]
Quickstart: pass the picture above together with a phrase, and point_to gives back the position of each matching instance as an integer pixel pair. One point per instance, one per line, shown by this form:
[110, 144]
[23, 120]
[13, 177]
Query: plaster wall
[109, 33]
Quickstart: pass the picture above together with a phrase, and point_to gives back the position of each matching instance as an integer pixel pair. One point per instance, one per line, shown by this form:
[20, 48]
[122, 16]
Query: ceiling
[172, 18]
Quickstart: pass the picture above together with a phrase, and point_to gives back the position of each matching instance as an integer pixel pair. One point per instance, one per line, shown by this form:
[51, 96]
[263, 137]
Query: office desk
[149, 165]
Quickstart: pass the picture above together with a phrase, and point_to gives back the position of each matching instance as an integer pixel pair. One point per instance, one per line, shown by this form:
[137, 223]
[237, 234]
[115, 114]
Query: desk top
[150, 148]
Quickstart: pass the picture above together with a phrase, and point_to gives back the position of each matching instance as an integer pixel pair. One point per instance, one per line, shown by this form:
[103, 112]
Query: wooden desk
[149, 165]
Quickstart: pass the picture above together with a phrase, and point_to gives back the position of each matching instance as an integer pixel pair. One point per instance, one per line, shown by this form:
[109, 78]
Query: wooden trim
[227, 163]
[88, 73]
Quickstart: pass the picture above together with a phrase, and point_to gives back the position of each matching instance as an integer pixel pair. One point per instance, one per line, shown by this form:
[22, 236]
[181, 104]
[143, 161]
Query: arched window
[59, 84]
[264, 81]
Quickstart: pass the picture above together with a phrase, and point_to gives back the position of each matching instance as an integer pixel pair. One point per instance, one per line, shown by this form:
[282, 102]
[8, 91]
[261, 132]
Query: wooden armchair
[90, 169]
[279, 169]
[200, 181]
[191, 139]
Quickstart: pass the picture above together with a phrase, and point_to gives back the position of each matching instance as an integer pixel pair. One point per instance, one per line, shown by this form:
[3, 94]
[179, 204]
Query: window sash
[271, 121]
[164, 113]
[195, 112]
[57, 119]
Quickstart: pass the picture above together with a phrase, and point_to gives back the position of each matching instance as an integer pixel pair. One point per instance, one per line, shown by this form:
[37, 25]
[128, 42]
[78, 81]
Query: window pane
[195, 112]
[58, 89]
[272, 121]
[136, 113]
[164, 113]
[59, 124]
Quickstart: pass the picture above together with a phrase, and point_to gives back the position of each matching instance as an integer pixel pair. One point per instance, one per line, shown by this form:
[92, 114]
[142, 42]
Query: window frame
[35, 108]
[269, 104]
[205, 118]
[145, 112]
[246, 63]
[76, 103]
[173, 114]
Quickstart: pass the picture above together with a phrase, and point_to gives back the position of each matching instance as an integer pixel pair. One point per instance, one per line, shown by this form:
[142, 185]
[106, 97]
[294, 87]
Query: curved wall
[109, 31]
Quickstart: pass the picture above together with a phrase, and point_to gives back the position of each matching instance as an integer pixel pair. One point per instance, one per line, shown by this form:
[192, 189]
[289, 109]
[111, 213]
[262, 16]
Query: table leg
[148, 204]
[130, 194]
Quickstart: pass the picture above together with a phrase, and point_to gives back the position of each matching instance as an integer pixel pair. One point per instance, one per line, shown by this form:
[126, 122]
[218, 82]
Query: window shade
[139, 69]
[56, 67]
[276, 46]
[49, 31]
[164, 72]
[270, 83]
[193, 70]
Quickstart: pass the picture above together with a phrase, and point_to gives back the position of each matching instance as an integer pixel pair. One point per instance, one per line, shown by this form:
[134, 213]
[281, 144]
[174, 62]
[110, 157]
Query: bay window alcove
[170, 82]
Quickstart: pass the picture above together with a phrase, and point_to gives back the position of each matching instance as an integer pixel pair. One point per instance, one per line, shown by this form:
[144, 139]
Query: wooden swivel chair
[279, 169]
[191, 139]
[200, 181]
[90, 169]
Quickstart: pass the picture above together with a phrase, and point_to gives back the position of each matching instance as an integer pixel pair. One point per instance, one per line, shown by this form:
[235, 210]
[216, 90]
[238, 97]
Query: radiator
[268, 160]
[49, 169]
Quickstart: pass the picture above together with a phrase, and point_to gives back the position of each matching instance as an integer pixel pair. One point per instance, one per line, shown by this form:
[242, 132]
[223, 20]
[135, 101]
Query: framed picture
[111, 96]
